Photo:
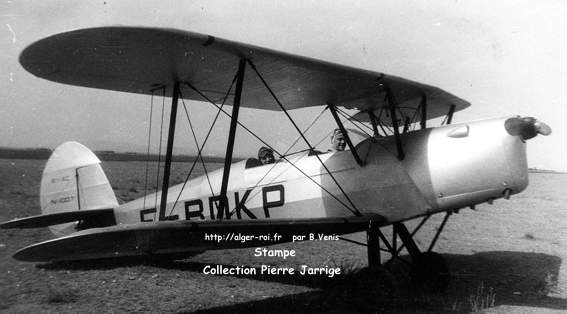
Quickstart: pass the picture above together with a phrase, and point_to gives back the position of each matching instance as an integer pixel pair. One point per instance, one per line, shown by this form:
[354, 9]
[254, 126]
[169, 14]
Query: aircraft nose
[526, 127]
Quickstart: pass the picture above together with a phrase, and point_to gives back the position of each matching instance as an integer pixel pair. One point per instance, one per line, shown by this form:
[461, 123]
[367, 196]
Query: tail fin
[74, 180]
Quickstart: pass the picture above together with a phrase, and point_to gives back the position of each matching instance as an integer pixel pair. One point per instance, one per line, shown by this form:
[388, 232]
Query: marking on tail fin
[65, 178]
[65, 199]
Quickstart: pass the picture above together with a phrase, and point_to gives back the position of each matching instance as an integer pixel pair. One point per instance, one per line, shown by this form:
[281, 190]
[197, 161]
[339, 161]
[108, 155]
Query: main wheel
[430, 271]
[372, 289]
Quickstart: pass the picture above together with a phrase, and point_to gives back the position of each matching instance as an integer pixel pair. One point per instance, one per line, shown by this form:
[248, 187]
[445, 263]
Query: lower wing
[186, 238]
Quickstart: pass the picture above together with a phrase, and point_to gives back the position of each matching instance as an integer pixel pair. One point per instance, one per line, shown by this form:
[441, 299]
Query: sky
[504, 57]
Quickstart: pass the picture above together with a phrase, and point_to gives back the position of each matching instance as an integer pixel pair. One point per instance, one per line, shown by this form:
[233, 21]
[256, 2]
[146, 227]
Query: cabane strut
[392, 107]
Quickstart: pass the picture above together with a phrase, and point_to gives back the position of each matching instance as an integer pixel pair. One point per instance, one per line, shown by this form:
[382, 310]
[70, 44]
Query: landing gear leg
[373, 247]
[384, 287]
[428, 269]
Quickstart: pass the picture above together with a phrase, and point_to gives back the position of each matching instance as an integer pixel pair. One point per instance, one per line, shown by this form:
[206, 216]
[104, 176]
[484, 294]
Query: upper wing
[137, 60]
[185, 237]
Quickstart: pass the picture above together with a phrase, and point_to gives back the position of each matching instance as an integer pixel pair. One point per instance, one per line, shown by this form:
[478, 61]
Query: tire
[374, 288]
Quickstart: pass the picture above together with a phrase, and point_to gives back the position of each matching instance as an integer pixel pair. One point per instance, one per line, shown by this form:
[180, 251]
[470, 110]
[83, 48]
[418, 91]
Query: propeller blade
[542, 128]
[526, 127]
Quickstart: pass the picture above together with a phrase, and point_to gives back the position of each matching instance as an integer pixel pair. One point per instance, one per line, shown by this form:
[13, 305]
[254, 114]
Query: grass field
[502, 258]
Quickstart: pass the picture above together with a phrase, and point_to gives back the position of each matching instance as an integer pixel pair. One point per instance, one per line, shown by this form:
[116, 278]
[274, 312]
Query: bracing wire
[355, 210]
[285, 154]
[200, 157]
[273, 149]
[205, 140]
[349, 118]
[306, 130]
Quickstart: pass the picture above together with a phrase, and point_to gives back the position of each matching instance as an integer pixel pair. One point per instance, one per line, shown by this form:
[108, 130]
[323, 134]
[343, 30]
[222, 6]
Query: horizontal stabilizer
[185, 237]
[99, 215]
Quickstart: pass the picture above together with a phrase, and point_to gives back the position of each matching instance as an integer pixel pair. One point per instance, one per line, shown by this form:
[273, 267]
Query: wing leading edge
[139, 60]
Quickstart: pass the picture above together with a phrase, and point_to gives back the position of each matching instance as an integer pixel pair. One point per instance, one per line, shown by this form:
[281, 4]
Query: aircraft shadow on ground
[496, 278]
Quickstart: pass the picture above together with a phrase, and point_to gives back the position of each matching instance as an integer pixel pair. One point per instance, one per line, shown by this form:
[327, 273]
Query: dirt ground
[505, 257]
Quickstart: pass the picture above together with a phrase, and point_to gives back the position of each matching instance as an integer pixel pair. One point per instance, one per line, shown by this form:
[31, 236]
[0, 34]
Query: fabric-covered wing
[179, 238]
[138, 60]
[91, 217]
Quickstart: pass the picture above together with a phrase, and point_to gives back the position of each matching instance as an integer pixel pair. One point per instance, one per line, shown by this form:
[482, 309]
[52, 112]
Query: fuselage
[444, 168]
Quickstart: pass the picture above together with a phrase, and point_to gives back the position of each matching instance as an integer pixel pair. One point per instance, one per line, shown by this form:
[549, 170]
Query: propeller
[526, 127]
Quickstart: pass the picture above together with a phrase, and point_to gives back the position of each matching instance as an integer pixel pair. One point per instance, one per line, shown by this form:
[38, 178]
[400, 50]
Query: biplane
[401, 170]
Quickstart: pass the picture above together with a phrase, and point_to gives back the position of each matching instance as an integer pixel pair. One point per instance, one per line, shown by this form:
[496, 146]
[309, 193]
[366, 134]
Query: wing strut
[373, 122]
[230, 145]
[449, 117]
[170, 136]
[345, 134]
[423, 107]
[200, 150]
[210, 101]
[450, 114]
[392, 106]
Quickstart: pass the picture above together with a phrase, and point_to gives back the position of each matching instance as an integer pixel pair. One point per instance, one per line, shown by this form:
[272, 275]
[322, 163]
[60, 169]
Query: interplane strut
[170, 137]
[231, 136]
